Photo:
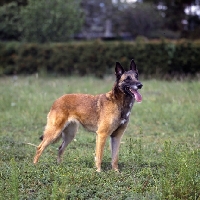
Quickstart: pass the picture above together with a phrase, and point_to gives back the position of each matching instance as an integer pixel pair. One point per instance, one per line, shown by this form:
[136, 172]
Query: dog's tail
[41, 137]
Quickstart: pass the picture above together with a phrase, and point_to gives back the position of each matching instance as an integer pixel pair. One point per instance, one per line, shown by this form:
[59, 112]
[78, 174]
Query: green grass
[159, 154]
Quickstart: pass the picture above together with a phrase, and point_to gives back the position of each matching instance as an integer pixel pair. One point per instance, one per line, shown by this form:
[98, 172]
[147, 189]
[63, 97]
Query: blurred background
[154, 25]
[61, 20]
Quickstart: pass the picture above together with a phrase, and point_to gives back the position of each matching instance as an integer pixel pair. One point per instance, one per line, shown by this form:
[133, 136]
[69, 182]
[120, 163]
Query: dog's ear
[119, 70]
[133, 66]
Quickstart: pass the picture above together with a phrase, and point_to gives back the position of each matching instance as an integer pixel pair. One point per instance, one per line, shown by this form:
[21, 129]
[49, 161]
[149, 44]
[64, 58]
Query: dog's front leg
[100, 143]
[115, 144]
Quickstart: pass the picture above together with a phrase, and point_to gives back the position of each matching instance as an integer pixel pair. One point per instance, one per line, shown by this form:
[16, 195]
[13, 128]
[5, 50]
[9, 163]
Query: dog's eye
[136, 75]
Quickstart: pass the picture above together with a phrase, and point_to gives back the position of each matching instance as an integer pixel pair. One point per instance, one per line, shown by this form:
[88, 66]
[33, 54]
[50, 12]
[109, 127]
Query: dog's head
[127, 81]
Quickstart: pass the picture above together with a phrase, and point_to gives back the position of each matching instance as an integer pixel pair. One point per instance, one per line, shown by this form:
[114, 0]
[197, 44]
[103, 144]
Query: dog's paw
[116, 170]
[98, 170]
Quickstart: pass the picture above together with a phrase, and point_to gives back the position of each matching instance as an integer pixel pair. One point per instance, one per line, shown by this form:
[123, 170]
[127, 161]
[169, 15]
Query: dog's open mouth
[137, 95]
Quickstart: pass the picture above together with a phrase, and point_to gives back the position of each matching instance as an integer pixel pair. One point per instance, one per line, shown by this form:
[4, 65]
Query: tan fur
[100, 113]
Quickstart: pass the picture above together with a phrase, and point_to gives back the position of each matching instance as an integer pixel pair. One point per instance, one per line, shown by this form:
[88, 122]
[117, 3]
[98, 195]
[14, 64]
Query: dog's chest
[126, 110]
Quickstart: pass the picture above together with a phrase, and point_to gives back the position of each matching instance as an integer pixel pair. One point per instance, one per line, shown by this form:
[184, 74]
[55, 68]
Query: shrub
[160, 59]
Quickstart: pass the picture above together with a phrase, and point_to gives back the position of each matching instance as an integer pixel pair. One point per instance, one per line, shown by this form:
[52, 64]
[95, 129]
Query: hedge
[161, 59]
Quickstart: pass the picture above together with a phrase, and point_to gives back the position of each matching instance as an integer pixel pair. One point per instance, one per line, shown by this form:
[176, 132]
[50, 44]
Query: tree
[142, 19]
[98, 18]
[19, 2]
[114, 19]
[51, 21]
[9, 22]
[174, 12]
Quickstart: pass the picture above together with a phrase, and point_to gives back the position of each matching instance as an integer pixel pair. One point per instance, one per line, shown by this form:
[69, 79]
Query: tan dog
[106, 114]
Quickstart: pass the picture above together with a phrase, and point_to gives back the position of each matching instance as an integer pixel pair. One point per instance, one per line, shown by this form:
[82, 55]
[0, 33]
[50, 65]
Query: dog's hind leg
[68, 135]
[51, 134]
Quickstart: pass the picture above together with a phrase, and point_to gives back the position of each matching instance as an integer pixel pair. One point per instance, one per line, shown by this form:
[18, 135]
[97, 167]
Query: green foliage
[181, 177]
[14, 180]
[139, 24]
[46, 20]
[10, 28]
[159, 154]
[160, 59]
[174, 12]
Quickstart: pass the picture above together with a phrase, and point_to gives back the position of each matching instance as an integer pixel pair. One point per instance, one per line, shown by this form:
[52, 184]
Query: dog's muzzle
[134, 91]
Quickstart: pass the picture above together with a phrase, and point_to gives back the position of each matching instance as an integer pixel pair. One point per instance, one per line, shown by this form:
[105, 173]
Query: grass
[159, 155]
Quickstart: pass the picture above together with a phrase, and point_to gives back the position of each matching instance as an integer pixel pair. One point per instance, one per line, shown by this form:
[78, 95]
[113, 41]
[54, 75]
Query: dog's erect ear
[119, 70]
[133, 66]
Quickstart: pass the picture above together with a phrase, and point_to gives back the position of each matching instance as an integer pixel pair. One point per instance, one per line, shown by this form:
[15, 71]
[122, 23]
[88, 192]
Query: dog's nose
[139, 85]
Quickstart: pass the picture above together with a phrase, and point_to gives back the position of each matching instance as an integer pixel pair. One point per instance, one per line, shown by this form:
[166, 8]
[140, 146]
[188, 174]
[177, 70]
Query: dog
[106, 114]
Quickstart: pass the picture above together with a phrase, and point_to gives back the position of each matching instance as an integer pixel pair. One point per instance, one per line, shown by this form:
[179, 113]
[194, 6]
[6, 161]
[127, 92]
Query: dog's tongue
[138, 96]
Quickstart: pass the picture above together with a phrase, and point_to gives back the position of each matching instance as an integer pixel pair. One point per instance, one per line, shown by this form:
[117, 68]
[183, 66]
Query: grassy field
[159, 155]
